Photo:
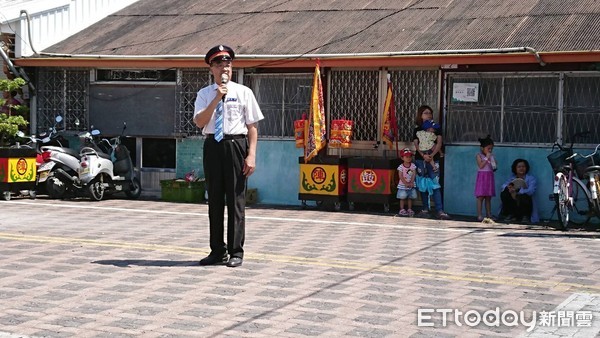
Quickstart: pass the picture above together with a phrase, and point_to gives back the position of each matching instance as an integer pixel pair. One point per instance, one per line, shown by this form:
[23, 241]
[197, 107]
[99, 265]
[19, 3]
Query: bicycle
[588, 167]
[575, 202]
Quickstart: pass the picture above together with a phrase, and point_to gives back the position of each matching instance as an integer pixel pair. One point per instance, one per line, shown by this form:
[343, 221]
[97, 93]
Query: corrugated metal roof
[182, 27]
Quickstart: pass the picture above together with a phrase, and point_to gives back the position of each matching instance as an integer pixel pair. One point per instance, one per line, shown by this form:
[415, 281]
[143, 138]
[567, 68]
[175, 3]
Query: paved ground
[122, 268]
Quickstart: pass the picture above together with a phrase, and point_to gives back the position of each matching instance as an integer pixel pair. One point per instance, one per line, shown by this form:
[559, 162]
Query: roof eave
[400, 59]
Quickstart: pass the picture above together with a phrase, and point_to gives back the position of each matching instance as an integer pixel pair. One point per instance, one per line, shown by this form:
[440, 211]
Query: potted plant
[11, 115]
[17, 164]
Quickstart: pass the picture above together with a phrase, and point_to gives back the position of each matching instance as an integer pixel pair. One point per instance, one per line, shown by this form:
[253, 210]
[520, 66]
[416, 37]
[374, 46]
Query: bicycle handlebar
[595, 151]
[586, 156]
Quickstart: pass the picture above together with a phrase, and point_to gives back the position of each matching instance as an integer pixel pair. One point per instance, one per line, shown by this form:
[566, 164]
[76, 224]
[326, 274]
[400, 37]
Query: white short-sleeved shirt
[241, 108]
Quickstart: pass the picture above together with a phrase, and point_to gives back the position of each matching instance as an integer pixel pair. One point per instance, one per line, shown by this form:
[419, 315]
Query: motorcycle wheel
[96, 190]
[55, 187]
[135, 189]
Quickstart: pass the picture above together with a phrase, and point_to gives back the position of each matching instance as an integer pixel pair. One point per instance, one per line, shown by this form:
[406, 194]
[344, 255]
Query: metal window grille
[189, 82]
[282, 98]
[581, 106]
[524, 108]
[63, 92]
[412, 89]
[354, 95]
[509, 107]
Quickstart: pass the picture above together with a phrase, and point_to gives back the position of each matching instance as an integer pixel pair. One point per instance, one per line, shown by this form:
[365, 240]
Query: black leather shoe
[234, 262]
[214, 259]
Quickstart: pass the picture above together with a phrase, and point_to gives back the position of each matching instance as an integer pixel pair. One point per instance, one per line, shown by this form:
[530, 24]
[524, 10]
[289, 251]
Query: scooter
[48, 140]
[101, 173]
[55, 159]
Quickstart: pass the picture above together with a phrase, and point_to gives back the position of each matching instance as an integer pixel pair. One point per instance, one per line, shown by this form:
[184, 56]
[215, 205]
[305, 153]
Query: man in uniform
[228, 113]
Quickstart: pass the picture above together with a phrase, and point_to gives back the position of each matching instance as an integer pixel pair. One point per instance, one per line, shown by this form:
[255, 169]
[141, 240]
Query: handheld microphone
[224, 80]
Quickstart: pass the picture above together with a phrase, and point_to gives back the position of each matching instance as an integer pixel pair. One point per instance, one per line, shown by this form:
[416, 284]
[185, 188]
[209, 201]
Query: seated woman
[517, 195]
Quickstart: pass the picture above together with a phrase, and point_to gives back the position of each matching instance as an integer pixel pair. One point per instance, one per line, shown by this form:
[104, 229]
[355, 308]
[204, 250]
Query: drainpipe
[8, 62]
[20, 73]
[29, 30]
[536, 54]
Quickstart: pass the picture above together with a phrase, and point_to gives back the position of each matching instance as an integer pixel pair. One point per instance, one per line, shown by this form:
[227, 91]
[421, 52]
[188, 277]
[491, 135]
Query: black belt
[227, 136]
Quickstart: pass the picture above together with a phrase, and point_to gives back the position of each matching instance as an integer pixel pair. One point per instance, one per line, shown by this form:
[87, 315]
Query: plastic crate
[182, 191]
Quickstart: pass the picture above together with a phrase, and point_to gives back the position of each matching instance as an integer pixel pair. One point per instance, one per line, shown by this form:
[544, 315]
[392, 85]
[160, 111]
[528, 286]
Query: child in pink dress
[485, 186]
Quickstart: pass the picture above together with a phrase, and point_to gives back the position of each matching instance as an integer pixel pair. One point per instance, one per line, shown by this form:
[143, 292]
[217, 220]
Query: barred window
[582, 106]
[522, 108]
[65, 92]
[282, 98]
[359, 95]
[354, 96]
[412, 89]
[189, 82]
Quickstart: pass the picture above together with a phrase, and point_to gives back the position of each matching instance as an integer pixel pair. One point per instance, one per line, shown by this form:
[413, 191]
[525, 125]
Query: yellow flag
[389, 128]
[315, 135]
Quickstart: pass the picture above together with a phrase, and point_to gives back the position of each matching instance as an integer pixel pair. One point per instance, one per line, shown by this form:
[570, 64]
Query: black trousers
[225, 181]
[520, 207]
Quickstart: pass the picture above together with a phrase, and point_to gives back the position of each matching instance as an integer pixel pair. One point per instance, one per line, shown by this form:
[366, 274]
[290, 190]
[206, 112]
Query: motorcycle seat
[95, 151]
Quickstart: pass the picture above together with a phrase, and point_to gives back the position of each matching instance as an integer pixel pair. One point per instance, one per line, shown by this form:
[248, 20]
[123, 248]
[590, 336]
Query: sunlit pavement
[123, 268]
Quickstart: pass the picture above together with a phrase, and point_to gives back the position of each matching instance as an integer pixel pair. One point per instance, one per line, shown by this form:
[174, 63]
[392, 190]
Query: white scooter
[57, 162]
[101, 173]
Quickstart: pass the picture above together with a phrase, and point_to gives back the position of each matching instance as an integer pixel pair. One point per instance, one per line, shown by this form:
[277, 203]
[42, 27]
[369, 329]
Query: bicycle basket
[582, 163]
[558, 159]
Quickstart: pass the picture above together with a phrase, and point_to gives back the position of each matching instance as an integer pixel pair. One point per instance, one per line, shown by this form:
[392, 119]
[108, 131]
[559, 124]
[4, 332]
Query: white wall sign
[465, 92]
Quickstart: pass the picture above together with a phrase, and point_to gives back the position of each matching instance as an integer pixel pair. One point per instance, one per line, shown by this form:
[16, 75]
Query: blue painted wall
[277, 168]
[460, 171]
[277, 172]
[189, 157]
[276, 177]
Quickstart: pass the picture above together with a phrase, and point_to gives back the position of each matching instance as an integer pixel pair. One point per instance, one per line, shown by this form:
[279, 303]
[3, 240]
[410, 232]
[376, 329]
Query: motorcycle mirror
[20, 134]
[95, 132]
[58, 119]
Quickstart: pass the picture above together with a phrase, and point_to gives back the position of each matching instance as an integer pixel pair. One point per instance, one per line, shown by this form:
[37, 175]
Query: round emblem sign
[343, 176]
[318, 175]
[21, 166]
[368, 178]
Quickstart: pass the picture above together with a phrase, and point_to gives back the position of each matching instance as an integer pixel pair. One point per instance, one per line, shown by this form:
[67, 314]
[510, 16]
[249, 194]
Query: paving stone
[135, 273]
[307, 330]
[371, 333]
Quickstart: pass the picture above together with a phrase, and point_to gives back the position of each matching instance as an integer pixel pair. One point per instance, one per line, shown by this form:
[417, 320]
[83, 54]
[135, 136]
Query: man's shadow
[125, 263]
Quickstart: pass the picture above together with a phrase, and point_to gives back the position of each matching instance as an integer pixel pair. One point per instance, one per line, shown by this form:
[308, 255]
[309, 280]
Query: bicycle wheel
[562, 203]
[581, 206]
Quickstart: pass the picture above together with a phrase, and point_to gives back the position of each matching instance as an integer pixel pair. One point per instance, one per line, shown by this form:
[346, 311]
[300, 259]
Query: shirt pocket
[234, 110]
